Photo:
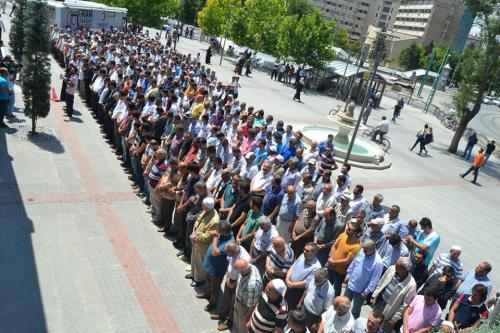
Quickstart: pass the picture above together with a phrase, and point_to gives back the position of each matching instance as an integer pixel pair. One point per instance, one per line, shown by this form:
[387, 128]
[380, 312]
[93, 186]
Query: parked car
[487, 100]
[496, 102]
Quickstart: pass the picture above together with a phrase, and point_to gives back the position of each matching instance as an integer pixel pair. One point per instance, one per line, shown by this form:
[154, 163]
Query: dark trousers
[3, 110]
[274, 74]
[167, 211]
[377, 133]
[213, 289]
[227, 308]
[118, 138]
[472, 169]
[70, 100]
[293, 296]
[311, 319]
[297, 95]
[336, 279]
[419, 140]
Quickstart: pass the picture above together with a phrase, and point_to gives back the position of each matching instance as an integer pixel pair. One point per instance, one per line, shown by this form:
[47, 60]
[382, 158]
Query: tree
[411, 57]
[188, 10]
[263, 22]
[237, 26]
[150, 13]
[428, 48]
[214, 17]
[308, 40]
[16, 36]
[481, 75]
[35, 74]
[299, 7]
[341, 38]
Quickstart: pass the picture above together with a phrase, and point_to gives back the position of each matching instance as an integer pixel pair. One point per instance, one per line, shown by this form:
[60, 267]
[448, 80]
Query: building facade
[435, 20]
[356, 15]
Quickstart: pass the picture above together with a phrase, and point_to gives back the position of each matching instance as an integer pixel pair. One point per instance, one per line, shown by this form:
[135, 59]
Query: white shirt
[261, 181]
[119, 109]
[360, 326]
[248, 171]
[357, 204]
[384, 126]
[264, 240]
[324, 201]
[232, 273]
[214, 179]
[333, 323]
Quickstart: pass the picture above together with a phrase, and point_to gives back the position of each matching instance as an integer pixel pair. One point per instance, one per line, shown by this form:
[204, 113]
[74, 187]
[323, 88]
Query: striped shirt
[157, 172]
[267, 316]
[249, 287]
[444, 260]
[470, 280]
[279, 261]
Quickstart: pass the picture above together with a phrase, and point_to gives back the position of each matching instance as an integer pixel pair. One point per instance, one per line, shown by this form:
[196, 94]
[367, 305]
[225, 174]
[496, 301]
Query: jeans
[336, 279]
[10, 106]
[468, 151]
[357, 302]
[137, 172]
[476, 172]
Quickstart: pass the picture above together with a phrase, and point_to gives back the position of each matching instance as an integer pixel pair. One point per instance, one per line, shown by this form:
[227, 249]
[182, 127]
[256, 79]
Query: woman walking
[298, 89]
[428, 138]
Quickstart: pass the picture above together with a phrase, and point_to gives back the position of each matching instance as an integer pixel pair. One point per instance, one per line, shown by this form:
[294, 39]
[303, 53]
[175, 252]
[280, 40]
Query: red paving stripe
[63, 198]
[146, 292]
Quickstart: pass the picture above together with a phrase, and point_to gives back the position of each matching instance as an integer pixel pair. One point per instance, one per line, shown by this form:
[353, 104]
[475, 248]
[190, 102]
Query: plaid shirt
[249, 288]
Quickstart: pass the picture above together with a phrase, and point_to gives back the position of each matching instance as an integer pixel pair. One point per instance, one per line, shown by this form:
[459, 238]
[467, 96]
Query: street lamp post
[379, 54]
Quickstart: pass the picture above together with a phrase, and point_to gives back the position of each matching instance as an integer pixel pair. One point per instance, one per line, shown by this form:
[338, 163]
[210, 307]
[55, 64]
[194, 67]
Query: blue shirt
[287, 152]
[395, 226]
[319, 298]
[290, 209]
[260, 155]
[470, 280]
[364, 272]
[378, 238]
[272, 199]
[432, 240]
[217, 265]
[323, 145]
[4, 95]
[391, 254]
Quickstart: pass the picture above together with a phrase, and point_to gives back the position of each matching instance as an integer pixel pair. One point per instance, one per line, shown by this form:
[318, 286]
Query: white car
[496, 102]
[487, 100]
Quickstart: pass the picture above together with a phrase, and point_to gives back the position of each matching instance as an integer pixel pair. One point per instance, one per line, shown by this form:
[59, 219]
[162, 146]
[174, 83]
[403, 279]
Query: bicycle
[384, 143]
[334, 111]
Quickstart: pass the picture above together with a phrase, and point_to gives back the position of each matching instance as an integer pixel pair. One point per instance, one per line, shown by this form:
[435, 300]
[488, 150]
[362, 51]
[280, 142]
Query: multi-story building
[435, 20]
[356, 15]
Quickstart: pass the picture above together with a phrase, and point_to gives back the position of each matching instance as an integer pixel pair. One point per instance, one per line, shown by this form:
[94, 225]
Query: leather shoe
[196, 284]
[201, 295]
[209, 307]
[215, 316]
[189, 276]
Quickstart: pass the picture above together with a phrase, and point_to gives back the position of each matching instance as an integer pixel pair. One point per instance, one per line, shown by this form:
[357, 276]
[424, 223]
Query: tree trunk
[468, 116]
[33, 124]
[460, 131]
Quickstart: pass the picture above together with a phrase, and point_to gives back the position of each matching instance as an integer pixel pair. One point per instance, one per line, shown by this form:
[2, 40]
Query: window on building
[386, 9]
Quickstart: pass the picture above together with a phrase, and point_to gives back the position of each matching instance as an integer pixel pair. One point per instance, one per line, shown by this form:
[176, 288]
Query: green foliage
[340, 36]
[411, 57]
[308, 40]
[35, 74]
[428, 48]
[237, 27]
[188, 10]
[16, 35]
[264, 18]
[214, 17]
[147, 12]
[299, 7]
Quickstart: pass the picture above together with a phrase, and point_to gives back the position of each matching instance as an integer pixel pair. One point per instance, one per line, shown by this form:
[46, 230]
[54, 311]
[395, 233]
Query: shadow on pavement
[21, 308]
[47, 141]
[491, 169]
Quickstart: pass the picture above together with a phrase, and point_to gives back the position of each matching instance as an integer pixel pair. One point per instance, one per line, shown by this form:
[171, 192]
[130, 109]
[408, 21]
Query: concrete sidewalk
[79, 254]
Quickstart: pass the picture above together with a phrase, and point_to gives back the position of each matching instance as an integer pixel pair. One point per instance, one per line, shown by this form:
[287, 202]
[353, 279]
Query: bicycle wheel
[333, 111]
[385, 144]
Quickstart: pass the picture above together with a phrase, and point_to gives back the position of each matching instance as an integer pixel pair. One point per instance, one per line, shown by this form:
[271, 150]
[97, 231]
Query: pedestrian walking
[476, 165]
[368, 111]
[191, 33]
[397, 110]
[490, 148]
[274, 72]
[14, 6]
[208, 55]
[420, 138]
[428, 138]
[298, 89]
[471, 142]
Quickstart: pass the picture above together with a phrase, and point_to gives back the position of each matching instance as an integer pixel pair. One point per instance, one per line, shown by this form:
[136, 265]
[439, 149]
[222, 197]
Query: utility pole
[436, 80]
[429, 65]
[362, 58]
[378, 56]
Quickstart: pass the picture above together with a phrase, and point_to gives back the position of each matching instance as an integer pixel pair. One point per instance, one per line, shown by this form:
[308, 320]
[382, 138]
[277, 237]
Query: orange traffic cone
[53, 95]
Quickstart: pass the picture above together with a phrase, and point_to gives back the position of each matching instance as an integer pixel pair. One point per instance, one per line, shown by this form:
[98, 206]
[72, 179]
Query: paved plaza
[78, 252]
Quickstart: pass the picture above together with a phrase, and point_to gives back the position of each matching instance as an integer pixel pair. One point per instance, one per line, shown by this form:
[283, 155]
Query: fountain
[363, 151]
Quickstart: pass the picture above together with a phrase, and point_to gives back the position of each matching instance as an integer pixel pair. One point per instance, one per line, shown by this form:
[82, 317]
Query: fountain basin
[363, 151]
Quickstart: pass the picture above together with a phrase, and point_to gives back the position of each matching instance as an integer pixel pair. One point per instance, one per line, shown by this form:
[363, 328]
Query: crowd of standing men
[259, 216]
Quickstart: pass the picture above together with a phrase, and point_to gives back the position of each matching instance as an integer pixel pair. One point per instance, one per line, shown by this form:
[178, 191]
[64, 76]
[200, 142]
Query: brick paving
[78, 252]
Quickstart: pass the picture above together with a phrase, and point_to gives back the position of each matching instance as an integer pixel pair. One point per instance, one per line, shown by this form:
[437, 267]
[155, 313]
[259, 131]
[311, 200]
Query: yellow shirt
[197, 109]
[343, 250]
